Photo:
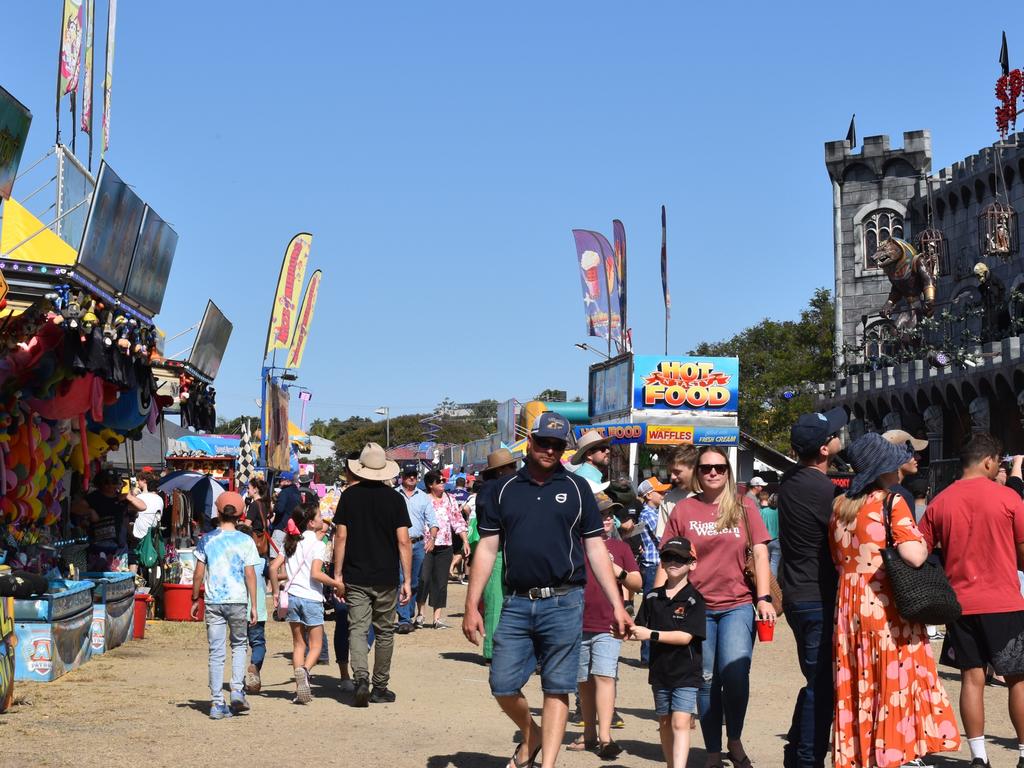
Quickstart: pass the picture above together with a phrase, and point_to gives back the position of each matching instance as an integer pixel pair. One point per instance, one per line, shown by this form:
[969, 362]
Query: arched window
[879, 227]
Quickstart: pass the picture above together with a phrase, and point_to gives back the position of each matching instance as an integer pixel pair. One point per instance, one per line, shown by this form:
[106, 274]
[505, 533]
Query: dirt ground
[147, 702]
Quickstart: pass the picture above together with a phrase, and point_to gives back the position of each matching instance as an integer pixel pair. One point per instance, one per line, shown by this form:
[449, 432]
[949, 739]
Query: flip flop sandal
[579, 745]
[609, 750]
[528, 763]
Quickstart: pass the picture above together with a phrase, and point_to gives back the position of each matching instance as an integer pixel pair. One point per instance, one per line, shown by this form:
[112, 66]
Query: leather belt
[541, 593]
[416, 539]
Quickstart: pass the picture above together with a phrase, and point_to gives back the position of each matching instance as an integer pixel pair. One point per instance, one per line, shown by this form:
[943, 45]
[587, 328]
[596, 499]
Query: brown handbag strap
[746, 527]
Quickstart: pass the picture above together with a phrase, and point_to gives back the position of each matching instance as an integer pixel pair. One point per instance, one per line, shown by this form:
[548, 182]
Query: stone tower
[871, 194]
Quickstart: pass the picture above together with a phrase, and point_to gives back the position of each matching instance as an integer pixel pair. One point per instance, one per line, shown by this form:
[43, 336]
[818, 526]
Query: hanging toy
[124, 343]
[73, 311]
[89, 319]
[109, 334]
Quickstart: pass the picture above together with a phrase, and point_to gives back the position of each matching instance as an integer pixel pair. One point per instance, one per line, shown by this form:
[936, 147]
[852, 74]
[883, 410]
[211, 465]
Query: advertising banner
[108, 73]
[609, 388]
[278, 454]
[14, 122]
[598, 278]
[305, 320]
[90, 30]
[621, 434]
[659, 434]
[619, 236]
[704, 384]
[286, 300]
[70, 48]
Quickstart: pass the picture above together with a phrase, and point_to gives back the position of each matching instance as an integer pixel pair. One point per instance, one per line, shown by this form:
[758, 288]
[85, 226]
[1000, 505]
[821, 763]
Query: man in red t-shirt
[599, 652]
[979, 526]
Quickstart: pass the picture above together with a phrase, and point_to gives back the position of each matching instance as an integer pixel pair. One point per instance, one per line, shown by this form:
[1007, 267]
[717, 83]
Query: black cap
[410, 470]
[679, 546]
[812, 430]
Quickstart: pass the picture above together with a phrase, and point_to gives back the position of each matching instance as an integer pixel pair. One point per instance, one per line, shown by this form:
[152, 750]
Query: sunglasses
[548, 444]
[707, 469]
[677, 560]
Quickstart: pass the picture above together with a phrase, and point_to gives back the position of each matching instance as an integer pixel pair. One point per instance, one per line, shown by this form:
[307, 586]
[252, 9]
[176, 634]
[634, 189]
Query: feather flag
[90, 31]
[1004, 56]
[596, 260]
[664, 265]
[619, 238]
[70, 49]
[108, 74]
[298, 345]
[851, 133]
[283, 313]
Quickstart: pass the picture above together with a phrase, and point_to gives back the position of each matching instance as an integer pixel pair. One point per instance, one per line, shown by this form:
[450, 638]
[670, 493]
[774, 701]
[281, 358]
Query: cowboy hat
[587, 443]
[498, 459]
[373, 464]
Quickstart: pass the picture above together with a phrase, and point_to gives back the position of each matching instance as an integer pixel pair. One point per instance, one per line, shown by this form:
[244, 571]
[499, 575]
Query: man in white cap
[592, 457]
[902, 438]
[371, 540]
[754, 486]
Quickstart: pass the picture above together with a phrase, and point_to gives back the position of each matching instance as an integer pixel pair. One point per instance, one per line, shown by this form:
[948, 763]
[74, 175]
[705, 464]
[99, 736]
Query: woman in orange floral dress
[890, 708]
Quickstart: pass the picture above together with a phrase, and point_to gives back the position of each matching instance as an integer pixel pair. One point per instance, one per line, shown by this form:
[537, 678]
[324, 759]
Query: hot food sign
[703, 384]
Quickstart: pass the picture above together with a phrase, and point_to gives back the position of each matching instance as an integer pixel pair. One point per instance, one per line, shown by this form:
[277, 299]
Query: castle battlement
[981, 163]
[877, 151]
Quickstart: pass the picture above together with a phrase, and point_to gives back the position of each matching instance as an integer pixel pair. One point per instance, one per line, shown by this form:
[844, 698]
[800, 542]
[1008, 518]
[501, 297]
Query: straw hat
[373, 464]
[587, 443]
[498, 459]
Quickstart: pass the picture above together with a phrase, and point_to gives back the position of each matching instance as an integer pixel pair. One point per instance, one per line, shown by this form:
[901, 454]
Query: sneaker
[418, 622]
[302, 693]
[362, 698]
[576, 718]
[219, 712]
[617, 720]
[403, 629]
[917, 763]
[440, 625]
[381, 695]
[979, 763]
[238, 703]
[252, 680]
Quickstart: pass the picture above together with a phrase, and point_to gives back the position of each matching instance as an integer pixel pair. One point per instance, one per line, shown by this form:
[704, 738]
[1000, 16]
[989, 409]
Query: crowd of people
[559, 559]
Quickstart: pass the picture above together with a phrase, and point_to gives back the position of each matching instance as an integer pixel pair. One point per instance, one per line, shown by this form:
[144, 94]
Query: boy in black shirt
[672, 619]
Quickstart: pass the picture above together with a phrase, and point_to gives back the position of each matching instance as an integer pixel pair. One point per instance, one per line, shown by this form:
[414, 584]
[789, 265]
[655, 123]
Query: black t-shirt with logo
[371, 513]
[675, 666]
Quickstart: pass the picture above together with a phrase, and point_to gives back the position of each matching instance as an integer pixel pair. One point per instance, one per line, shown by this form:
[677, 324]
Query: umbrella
[202, 489]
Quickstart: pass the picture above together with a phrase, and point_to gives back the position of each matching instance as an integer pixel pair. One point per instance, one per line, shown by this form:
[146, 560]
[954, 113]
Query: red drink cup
[765, 631]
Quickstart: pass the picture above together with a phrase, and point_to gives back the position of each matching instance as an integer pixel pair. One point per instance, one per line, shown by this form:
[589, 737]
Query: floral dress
[890, 706]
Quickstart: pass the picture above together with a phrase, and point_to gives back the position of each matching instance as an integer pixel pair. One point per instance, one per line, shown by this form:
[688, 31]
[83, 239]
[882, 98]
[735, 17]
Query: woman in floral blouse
[436, 562]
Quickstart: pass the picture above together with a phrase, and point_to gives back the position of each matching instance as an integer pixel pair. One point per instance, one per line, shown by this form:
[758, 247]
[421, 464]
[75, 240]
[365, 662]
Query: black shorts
[986, 638]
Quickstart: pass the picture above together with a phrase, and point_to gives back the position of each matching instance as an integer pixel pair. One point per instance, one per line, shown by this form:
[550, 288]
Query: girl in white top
[303, 558]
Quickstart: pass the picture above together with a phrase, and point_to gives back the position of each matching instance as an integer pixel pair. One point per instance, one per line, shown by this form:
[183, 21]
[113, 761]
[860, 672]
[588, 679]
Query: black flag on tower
[851, 135]
[1004, 57]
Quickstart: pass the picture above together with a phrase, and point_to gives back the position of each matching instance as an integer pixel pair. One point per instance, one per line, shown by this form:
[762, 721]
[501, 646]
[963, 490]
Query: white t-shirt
[300, 584]
[668, 502]
[150, 516]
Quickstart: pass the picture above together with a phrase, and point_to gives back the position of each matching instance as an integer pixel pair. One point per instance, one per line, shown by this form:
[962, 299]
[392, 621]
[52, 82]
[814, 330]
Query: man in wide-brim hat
[497, 460]
[592, 457]
[371, 541]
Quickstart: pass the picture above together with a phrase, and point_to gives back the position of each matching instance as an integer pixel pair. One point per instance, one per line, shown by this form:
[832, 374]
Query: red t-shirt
[597, 611]
[978, 524]
[721, 555]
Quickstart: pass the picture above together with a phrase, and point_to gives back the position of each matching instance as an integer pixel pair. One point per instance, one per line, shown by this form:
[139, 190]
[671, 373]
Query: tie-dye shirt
[226, 553]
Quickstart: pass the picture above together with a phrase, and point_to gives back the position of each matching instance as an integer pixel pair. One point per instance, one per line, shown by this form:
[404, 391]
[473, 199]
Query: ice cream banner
[598, 276]
[284, 312]
[658, 434]
[305, 320]
[14, 122]
[705, 384]
[621, 434]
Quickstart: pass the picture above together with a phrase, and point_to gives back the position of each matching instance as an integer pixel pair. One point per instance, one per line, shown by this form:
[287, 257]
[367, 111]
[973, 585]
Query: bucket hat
[871, 455]
[498, 459]
[373, 464]
[590, 441]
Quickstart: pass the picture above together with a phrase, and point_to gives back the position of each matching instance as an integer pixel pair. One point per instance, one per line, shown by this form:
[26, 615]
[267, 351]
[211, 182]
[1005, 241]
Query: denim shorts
[302, 610]
[668, 700]
[547, 631]
[599, 655]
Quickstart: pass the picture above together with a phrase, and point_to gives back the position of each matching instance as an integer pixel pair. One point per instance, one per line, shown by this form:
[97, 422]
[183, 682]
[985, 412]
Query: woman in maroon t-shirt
[715, 520]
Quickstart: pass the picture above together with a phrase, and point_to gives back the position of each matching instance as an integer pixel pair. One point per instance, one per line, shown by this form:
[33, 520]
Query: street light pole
[386, 413]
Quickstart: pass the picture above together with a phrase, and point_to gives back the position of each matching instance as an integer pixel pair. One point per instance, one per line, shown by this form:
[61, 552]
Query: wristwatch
[765, 599]
[655, 636]
[622, 575]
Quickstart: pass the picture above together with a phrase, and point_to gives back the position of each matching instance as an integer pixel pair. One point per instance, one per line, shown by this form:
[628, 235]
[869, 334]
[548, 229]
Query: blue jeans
[548, 630]
[726, 687]
[224, 620]
[774, 556]
[258, 643]
[647, 574]
[808, 737]
[405, 612]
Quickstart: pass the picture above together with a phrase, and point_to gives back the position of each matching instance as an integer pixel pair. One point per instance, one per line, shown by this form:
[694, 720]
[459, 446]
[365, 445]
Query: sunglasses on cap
[669, 559]
[706, 469]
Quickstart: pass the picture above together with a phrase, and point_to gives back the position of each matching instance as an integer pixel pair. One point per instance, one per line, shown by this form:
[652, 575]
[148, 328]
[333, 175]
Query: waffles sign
[708, 384]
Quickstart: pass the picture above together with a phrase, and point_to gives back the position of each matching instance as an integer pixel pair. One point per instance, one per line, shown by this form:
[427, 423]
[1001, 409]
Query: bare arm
[677, 637]
[405, 556]
[316, 573]
[340, 537]
[197, 584]
[275, 585]
[136, 503]
[601, 568]
[913, 552]
[250, 586]
[633, 581]
[1020, 556]
[762, 578]
[483, 563]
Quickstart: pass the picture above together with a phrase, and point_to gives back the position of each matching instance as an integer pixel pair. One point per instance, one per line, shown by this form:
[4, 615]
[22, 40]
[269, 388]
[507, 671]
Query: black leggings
[434, 577]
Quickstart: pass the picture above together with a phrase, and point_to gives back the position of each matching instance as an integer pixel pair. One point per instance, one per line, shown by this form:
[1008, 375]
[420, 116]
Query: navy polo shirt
[542, 527]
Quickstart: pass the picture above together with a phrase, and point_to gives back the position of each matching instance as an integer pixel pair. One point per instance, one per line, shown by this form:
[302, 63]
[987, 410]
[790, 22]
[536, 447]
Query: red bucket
[141, 609]
[178, 602]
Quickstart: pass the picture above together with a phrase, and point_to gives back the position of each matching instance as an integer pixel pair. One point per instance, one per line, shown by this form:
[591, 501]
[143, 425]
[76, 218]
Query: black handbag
[923, 595]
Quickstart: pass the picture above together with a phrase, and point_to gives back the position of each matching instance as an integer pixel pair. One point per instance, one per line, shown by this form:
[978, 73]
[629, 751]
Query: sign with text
[621, 434]
[609, 388]
[661, 434]
[705, 384]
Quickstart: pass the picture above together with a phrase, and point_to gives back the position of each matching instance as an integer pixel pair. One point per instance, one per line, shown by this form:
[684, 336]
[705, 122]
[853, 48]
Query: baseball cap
[812, 430]
[757, 482]
[551, 424]
[286, 475]
[652, 484]
[230, 498]
[409, 470]
[679, 546]
[605, 504]
[902, 437]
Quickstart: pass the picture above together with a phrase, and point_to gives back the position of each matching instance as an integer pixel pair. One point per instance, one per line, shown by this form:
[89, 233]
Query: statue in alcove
[995, 312]
[912, 283]
[998, 242]
[980, 413]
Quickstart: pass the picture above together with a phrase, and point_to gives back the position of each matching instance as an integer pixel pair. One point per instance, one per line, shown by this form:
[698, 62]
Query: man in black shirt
[288, 500]
[809, 580]
[109, 507]
[546, 521]
[371, 539]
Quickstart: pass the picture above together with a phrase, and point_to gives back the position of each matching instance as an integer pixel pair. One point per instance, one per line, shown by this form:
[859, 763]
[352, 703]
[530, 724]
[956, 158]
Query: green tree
[551, 395]
[329, 470]
[776, 357]
[234, 426]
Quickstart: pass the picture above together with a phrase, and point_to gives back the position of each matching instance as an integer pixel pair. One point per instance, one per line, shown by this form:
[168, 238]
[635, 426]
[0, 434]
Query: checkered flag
[246, 464]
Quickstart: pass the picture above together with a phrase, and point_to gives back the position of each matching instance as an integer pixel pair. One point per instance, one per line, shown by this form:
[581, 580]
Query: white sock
[1020, 749]
[977, 746]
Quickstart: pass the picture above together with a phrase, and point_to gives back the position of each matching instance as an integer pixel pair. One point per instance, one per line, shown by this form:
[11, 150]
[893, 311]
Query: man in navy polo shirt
[546, 521]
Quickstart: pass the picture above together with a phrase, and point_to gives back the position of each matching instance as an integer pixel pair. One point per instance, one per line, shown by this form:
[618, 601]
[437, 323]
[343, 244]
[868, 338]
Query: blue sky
[441, 153]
